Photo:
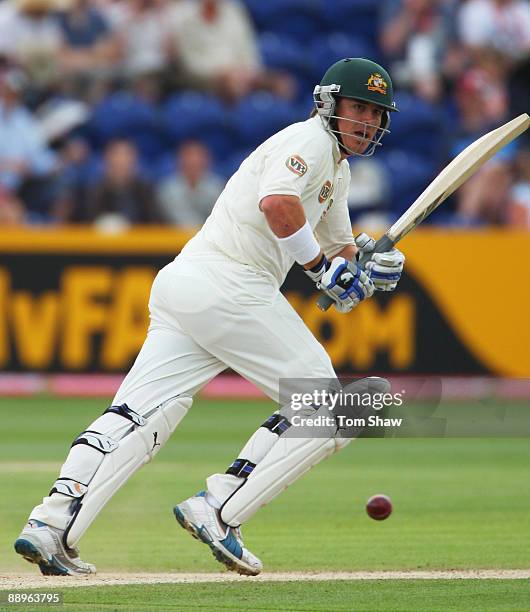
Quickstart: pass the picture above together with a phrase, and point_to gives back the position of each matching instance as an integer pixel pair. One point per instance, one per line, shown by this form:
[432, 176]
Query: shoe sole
[49, 567]
[199, 533]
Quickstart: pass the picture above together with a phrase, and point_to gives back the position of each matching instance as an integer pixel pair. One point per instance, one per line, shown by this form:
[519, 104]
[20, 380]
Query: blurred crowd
[119, 112]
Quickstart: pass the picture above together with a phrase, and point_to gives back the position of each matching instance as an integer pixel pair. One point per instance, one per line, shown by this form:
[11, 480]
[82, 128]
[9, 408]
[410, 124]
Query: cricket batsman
[218, 305]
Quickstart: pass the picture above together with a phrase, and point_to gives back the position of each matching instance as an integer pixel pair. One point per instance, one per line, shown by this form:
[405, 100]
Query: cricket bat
[450, 178]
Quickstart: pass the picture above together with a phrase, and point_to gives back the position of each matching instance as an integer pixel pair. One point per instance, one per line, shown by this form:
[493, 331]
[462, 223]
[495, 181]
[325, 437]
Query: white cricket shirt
[302, 160]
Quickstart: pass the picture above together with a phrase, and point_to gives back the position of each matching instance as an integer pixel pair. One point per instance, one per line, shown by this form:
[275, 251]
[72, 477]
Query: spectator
[499, 24]
[495, 36]
[83, 26]
[187, 197]
[217, 50]
[482, 200]
[7, 10]
[79, 169]
[11, 209]
[90, 46]
[414, 35]
[482, 105]
[26, 164]
[121, 198]
[519, 197]
[116, 12]
[145, 45]
[484, 89]
[368, 195]
[31, 37]
[145, 40]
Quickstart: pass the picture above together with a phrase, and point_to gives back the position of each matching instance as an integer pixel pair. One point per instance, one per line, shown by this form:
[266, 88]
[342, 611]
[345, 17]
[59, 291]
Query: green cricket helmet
[360, 79]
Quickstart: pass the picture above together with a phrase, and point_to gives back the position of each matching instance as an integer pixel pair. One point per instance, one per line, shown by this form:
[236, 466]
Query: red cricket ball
[379, 507]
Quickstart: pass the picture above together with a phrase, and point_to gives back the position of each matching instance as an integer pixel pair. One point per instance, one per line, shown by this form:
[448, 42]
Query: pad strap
[70, 487]
[127, 413]
[241, 467]
[101, 442]
[277, 424]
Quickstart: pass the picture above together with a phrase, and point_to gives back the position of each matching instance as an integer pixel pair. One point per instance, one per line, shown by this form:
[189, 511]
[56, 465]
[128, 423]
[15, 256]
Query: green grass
[380, 595]
[457, 504]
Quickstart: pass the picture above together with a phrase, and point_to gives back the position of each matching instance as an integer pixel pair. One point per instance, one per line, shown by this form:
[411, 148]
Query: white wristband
[302, 246]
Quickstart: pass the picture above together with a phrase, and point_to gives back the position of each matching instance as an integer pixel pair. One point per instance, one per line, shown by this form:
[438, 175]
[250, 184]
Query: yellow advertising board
[75, 300]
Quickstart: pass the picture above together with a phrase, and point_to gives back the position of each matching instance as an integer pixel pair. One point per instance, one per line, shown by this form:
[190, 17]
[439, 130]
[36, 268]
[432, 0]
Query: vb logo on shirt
[296, 164]
[325, 192]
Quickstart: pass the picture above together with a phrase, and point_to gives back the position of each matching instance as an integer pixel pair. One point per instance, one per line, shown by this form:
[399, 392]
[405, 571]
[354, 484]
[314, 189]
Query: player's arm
[286, 218]
[348, 252]
[342, 280]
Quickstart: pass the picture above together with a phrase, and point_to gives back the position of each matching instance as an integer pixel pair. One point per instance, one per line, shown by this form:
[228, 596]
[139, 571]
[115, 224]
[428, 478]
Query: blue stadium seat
[124, 115]
[284, 53]
[299, 19]
[354, 17]
[260, 115]
[306, 104]
[194, 115]
[260, 11]
[89, 172]
[408, 175]
[418, 127]
[326, 50]
[281, 52]
[228, 165]
[160, 167]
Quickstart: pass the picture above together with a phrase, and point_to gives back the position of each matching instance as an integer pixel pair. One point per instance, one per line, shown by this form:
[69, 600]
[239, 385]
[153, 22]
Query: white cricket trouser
[208, 313]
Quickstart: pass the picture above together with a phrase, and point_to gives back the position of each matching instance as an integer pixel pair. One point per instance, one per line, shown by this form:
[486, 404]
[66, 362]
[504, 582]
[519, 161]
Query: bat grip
[383, 244]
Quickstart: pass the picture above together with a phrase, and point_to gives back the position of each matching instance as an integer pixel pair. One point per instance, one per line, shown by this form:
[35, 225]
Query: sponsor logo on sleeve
[325, 192]
[296, 164]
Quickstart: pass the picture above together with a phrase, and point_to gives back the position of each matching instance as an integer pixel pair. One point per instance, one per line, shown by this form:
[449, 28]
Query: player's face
[358, 121]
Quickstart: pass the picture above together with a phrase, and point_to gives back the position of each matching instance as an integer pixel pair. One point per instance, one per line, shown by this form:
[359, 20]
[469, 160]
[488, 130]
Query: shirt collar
[335, 142]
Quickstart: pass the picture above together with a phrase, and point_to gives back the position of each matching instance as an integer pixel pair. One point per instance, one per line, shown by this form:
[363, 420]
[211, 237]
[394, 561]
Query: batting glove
[383, 268]
[346, 284]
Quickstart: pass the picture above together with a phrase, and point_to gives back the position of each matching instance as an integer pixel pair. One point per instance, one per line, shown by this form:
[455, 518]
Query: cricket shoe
[41, 544]
[204, 523]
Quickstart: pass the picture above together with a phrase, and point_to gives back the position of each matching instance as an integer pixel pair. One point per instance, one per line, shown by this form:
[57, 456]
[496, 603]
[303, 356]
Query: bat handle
[383, 244]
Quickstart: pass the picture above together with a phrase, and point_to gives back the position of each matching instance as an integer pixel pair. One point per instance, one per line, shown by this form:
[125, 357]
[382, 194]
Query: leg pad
[138, 446]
